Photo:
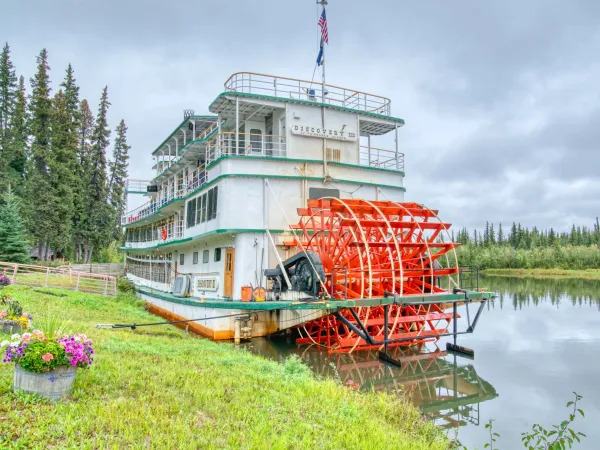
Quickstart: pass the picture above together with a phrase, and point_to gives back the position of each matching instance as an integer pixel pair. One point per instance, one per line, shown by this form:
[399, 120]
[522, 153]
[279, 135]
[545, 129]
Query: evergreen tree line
[524, 238]
[533, 248]
[60, 194]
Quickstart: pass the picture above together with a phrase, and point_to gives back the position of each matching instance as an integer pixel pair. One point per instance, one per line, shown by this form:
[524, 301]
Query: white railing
[154, 236]
[258, 83]
[176, 188]
[247, 144]
[136, 186]
[167, 163]
[381, 158]
[28, 275]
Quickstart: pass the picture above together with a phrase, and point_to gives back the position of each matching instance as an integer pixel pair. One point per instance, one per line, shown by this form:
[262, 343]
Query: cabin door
[228, 277]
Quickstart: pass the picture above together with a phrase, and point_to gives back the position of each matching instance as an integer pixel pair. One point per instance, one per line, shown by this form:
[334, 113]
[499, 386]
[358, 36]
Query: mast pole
[323, 3]
[322, 49]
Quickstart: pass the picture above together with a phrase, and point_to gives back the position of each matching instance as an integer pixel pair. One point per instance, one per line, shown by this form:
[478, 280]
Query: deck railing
[29, 275]
[248, 144]
[157, 235]
[165, 161]
[271, 85]
[175, 189]
[381, 158]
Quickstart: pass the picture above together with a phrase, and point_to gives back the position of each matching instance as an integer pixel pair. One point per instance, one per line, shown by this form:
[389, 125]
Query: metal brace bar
[476, 319]
[362, 326]
[350, 325]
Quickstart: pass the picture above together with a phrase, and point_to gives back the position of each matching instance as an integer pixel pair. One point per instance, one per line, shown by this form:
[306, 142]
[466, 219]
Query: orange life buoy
[164, 233]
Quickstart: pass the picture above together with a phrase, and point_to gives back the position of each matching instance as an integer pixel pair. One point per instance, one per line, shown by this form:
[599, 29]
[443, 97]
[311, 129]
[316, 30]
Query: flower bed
[12, 316]
[4, 279]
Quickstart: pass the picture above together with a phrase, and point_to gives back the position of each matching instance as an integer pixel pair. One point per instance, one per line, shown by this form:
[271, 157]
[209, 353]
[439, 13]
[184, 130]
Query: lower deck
[222, 319]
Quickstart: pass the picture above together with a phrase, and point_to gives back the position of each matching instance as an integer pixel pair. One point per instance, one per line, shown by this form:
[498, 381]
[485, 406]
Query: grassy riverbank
[157, 387]
[590, 274]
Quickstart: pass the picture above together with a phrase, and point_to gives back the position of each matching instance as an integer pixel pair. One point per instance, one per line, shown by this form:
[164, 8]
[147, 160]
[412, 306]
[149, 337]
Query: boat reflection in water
[443, 386]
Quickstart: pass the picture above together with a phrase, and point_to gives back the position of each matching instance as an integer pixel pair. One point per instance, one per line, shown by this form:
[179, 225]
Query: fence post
[105, 285]
[47, 273]
[15, 273]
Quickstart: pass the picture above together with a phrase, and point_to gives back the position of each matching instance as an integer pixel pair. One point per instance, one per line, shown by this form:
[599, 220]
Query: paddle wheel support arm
[362, 331]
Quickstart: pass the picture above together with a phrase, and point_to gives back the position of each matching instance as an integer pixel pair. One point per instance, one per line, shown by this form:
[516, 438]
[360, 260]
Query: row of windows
[159, 272]
[202, 208]
[205, 257]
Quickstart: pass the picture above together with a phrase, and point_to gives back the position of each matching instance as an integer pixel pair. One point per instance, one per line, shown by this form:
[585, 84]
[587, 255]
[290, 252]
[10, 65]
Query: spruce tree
[118, 176]
[81, 221]
[19, 139]
[500, 235]
[13, 245]
[99, 214]
[8, 93]
[61, 164]
[38, 200]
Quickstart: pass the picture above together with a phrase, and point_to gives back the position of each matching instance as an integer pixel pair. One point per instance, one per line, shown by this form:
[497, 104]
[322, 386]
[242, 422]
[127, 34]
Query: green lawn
[589, 274]
[157, 387]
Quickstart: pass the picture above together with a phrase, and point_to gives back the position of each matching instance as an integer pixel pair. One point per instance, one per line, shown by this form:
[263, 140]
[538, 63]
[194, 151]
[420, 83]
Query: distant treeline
[60, 196]
[533, 248]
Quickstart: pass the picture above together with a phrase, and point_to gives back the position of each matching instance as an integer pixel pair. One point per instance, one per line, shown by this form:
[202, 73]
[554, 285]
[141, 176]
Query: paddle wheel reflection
[446, 391]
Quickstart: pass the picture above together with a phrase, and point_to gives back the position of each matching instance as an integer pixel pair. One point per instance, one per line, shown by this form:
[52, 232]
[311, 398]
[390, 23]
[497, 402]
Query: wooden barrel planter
[54, 385]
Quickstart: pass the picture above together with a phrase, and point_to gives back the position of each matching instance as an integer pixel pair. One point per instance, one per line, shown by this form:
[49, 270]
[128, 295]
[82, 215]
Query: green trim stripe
[330, 305]
[305, 102]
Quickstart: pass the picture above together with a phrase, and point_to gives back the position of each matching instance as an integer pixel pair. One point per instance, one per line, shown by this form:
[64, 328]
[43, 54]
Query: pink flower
[26, 337]
[38, 334]
[48, 357]
[3, 314]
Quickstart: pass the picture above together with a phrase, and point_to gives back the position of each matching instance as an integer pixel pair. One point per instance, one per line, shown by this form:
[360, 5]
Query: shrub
[125, 285]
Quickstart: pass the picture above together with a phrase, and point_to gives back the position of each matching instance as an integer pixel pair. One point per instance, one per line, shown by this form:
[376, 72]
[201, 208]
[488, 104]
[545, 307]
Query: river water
[534, 345]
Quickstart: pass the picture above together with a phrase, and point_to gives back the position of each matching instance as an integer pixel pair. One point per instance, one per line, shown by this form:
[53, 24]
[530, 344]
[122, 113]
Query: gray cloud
[501, 99]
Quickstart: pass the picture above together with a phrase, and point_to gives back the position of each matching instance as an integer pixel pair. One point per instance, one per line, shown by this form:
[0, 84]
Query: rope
[133, 326]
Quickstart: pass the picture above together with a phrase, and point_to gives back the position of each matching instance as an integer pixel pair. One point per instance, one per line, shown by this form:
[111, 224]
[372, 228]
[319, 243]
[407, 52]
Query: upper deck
[278, 119]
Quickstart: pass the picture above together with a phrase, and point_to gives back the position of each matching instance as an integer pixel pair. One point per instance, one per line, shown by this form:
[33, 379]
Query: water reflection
[534, 345]
[521, 292]
[445, 387]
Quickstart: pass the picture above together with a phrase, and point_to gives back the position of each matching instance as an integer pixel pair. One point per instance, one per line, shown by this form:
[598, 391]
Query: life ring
[164, 233]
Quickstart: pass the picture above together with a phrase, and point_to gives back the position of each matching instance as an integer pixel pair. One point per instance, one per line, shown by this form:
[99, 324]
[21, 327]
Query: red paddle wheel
[372, 249]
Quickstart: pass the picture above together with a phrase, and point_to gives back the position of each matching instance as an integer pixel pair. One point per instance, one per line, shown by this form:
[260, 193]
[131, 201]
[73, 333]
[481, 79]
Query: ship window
[181, 259]
[191, 213]
[217, 254]
[198, 209]
[333, 154]
[256, 140]
[212, 203]
[195, 258]
[205, 256]
[204, 204]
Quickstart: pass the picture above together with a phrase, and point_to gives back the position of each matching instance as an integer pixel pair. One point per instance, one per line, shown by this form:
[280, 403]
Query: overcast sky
[501, 98]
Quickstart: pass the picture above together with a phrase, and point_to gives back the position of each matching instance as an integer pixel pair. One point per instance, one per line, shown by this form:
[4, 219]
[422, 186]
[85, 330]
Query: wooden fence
[112, 269]
[27, 275]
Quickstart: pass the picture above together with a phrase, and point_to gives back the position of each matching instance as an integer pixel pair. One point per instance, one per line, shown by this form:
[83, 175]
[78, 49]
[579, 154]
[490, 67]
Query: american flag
[323, 25]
